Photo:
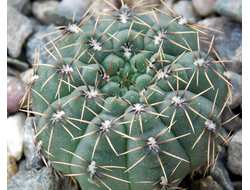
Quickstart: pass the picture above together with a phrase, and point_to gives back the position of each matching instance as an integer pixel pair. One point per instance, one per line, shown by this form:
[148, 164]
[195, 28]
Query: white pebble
[15, 132]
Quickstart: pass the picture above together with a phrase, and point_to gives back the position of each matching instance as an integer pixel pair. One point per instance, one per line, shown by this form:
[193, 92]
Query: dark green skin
[149, 168]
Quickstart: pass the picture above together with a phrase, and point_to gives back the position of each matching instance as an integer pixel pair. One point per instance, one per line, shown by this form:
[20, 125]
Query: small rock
[231, 39]
[22, 6]
[42, 179]
[236, 80]
[26, 76]
[206, 184]
[15, 92]
[22, 165]
[62, 13]
[13, 72]
[221, 176]
[102, 6]
[218, 171]
[165, 9]
[19, 27]
[61, 18]
[237, 185]
[40, 8]
[204, 7]
[17, 63]
[234, 125]
[132, 3]
[30, 150]
[70, 5]
[15, 132]
[34, 42]
[230, 8]
[11, 166]
[187, 10]
[234, 158]
[238, 55]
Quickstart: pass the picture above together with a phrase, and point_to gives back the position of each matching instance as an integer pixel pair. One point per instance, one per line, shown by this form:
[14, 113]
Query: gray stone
[22, 165]
[19, 27]
[218, 172]
[12, 72]
[70, 5]
[204, 7]
[230, 8]
[187, 10]
[42, 179]
[17, 63]
[40, 8]
[30, 150]
[34, 42]
[234, 125]
[207, 183]
[23, 6]
[237, 185]
[234, 158]
[227, 45]
[165, 9]
[236, 80]
[60, 18]
[59, 13]
[221, 176]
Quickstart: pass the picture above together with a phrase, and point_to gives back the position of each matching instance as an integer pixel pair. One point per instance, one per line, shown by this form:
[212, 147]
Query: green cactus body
[120, 105]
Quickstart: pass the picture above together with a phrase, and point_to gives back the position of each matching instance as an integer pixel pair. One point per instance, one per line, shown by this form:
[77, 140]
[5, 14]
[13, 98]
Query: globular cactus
[128, 102]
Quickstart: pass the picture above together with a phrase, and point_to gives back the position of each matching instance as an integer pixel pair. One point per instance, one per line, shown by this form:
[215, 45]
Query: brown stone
[11, 166]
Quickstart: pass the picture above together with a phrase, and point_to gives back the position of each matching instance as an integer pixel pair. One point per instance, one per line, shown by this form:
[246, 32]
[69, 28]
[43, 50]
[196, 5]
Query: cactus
[129, 102]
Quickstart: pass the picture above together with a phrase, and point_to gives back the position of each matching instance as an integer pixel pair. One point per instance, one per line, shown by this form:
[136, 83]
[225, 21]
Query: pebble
[15, 91]
[234, 158]
[39, 10]
[32, 179]
[237, 185]
[13, 72]
[221, 176]
[62, 15]
[60, 18]
[70, 5]
[219, 172]
[26, 76]
[19, 27]
[206, 184]
[42, 179]
[236, 80]
[23, 6]
[132, 3]
[30, 150]
[238, 55]
[34, 42]
[164, 8]
[235, 124]
[187, 10]
[227, 45]
[204, 7]
[101, 6]
[230, 8]
[15, 131]
[11, 166]
[17, 63]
